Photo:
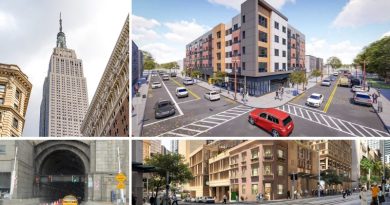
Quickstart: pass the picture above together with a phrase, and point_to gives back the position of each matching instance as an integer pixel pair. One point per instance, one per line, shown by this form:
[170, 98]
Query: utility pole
[13, 175]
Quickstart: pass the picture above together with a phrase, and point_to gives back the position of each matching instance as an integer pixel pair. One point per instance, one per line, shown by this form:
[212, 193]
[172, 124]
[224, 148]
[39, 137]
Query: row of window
[267, 189]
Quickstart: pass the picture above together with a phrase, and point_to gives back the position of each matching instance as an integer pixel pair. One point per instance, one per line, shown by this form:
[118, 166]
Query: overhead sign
[120, 177]
[120, 185]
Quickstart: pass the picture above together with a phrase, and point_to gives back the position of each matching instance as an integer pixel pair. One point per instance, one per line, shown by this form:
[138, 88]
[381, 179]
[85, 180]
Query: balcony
[268, 157]
[243, 162]
[281, 157]
[255, 159]
[268, 176]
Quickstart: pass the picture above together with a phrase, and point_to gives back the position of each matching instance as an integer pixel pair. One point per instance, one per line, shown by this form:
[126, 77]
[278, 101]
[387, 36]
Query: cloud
[142, 28]
[184, 31]
[164, 53]
[386, 34]
[7, 21]
[344, 50]
[236, 4]
[363, 12]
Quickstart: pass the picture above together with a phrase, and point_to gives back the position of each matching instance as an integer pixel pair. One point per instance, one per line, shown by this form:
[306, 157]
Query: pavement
[137, 114]
[384, 99]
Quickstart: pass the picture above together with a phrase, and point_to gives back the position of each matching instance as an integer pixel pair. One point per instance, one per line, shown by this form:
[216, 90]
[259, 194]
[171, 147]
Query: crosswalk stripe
[345, 126]
[367, 131]
[325, 120]
[235, 111]
[288, 106]
[222, 115]
[308, 114]
[361, 134]
[214, 118]
[318, 120]
[231, 114]
[300, 110]
[181, 135]
[193, 124]
[330, 118]
[209, 122]
[185, 128]
[377, 133]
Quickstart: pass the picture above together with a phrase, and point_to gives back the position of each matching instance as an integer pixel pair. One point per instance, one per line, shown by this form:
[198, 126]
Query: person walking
[374, 98]
[224, 199]
[277, 94]
[281, 93]
[174, 199]
[374, 194]
[381, 196]
[344, 193]
[363, 196]
[288, 194]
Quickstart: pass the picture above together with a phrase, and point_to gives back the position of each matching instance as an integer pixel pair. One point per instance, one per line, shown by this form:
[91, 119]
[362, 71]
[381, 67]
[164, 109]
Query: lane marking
[189, 91]
[306, 107]
[162, 120]
[205, 126]
[170, 95]
[192, 130]
[188, 101]
[331, 97]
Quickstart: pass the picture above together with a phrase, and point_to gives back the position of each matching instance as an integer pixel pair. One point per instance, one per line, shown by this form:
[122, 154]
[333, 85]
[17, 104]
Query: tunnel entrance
[62, 173]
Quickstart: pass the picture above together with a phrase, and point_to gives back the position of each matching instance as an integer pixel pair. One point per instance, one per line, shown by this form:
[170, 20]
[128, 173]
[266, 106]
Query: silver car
[362, 98]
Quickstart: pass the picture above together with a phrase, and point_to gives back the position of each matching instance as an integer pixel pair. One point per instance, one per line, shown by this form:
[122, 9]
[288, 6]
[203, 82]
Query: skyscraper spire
[61, 41]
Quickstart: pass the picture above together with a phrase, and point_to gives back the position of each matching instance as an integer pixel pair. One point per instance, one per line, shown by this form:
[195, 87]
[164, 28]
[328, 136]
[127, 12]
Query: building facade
[251, 46]
[175, 146]
[65, 98]
[313, 63]
[296, 49]
[108, 114]
[15, 89]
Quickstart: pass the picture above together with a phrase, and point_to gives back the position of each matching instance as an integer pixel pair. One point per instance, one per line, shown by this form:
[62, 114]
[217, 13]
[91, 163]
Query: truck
[344, 81]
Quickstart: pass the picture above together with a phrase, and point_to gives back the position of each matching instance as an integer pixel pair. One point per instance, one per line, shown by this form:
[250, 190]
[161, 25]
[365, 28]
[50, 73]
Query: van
[344, 81]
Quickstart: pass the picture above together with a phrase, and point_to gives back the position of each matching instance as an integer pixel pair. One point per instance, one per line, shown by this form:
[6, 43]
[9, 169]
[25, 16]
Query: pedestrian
[174, 198]
[133, 199]
[374, 194]
[277, 95]
[152, 199]
[368, 88]
[295, 194]
[344, 193]
[241, 91]
[379, 92]
[363, 196]
[288, 194]
[374, 98]
[281, 93]
[381, 196]
[224, 198]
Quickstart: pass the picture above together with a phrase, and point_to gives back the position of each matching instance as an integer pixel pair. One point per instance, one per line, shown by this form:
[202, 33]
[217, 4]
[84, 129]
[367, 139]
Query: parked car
[212, 95]
[165, 77]
[156, 85]
[344, 81]
[193, 199]
[362, 98]
[326, 82]
[335, 73]
[188, 81]
[164, 108]
[199, 199]
[355, 81]
[173, 74]
[181, 92]
[208, 200]
[272, 120]
[358, 88]
[315, 100]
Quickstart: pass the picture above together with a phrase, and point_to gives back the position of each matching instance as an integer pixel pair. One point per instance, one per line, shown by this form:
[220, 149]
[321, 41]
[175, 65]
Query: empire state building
[65, 98]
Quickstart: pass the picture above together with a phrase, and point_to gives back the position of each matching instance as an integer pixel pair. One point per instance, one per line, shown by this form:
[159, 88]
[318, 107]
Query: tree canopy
[334, 61]
[316, 73]
[298, 77]
[149, 62]
[170, 65]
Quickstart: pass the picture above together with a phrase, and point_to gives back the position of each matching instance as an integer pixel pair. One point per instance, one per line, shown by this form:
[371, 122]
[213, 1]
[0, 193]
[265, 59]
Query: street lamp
[235, 78]
[319, 170]
[364, 74]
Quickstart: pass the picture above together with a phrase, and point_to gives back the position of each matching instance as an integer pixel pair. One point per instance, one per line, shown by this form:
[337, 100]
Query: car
[272, 120]
[198, 199]
[326, 82]
[164, 108]
[193, 199]
[355, 81]
[181, 92]
[208, 200]
[156, 85]
[335, 73]
[188, 81]
[161, 72]
[165, 77]
[358, 88]
[362, 98]
[173, 74]
[70, 200]
[344, 81]
[212, 95]
[315, 100]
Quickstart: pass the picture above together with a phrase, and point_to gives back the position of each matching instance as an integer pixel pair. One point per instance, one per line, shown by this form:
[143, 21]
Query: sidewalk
[137, 114]
[264, 101]
[384, 99]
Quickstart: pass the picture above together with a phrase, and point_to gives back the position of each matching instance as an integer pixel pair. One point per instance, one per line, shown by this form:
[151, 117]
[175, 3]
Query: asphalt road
[337, 116]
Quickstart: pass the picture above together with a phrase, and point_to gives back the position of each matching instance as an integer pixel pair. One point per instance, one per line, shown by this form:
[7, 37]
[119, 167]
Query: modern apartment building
[296, 49]
[15, 89]
[313, 63]
[251, 49]
[137, 59]
[108, 113]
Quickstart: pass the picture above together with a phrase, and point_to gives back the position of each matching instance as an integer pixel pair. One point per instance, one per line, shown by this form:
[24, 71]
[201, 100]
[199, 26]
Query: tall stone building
[14, 96]
[65, 99]
[49, 170]
[108, 114]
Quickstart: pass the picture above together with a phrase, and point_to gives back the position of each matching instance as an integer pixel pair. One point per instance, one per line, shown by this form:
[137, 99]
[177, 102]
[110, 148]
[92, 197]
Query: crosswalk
[331, 200]
[320, 117]
[208, 123]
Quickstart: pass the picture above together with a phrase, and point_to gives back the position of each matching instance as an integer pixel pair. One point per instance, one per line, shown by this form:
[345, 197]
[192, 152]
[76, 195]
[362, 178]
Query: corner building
[252, 46]
[65, 98]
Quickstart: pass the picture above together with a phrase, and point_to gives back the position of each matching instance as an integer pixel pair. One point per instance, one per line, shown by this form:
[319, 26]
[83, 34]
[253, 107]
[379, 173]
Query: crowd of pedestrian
[279, 93]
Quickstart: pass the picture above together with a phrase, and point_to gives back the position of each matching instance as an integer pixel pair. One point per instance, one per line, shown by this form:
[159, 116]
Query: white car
[335, 73]
[165, 77]
[181, 92]
[212, 95]
[315, 100]
[188, 81]
[156, 85]
[326, 82]
[357, 88]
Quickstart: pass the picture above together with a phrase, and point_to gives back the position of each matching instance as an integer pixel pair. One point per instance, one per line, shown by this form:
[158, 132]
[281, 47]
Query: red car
[272, 120]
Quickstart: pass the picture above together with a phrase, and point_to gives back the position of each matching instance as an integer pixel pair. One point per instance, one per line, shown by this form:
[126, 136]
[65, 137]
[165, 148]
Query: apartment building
[251, 49]
[296, 49]
[313, 63]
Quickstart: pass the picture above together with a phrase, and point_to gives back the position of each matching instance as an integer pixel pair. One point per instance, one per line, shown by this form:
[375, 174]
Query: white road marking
[308, 114]
[306, 107]
[170, 95]
[188, 101]
[169, 118]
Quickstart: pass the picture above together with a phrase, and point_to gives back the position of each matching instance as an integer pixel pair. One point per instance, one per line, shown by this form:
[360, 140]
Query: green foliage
[195, 73]
[376, 168]
[298, 77]
[377, 57]
[365, 165]
[316, 73]
[330, 177]
[149, 62]
[220, 76]
[334, 62]
[170, 65]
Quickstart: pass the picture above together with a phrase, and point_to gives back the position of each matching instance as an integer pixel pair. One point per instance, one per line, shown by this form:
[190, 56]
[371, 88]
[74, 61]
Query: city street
[196, 116]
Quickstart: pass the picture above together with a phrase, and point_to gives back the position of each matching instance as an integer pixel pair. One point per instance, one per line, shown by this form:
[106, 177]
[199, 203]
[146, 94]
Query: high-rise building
[251, 48]
[296, 49]
[175, 146]
[65, 98]
[15, 92]
[108, 114]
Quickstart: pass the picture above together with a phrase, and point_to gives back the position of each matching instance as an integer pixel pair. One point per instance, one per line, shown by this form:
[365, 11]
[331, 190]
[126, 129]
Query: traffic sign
[120, 177]
[120, 185]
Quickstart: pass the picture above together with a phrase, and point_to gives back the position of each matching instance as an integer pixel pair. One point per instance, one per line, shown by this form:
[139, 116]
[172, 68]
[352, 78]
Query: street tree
[298, 77]
[149, 62]
[334, 62]
[195, 73]
[173, 164]
[220, 76]
[316, 73]
[330, 177]
[365, 165]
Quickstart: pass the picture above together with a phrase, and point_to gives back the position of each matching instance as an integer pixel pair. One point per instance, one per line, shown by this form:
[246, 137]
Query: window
[255, 171]
[235, 26]
[262, 67]
[17, 94]
[268, 152]
[284, 66]
[219, 45]
[243, 34]
[276, 25]
[263, 115]
[280, 170]
[15, 123]
[236, 40]
[262, 52]
[255, 189]
[284, 29]
[2, 88]
[243, 189]
[16, 106]
[2, 150]
[276, 52]
[284, 41]
[262, 21]
[243, 65]
[243, 170]
[284, 53]
[255, 153]
[243, 19]
[263, 37]
[280, 188]
[218, 56]
[1, 101]
[267, 169]
[243, 50]
[276, 39]
[277, 68]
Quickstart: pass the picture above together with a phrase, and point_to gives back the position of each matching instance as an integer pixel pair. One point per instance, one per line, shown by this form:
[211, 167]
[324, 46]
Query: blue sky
[332, 27]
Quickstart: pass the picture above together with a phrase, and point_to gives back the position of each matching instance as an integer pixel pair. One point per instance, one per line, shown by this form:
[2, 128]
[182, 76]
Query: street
[196, 116]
